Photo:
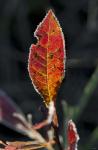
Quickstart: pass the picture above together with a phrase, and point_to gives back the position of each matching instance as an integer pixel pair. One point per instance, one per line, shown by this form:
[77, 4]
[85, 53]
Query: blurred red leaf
[18, 145]
[72, 136]
[7, 110]
[8, 147]
[46, 58]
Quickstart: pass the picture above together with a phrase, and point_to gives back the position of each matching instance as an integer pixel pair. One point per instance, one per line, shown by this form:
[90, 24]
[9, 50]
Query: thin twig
[57, 137]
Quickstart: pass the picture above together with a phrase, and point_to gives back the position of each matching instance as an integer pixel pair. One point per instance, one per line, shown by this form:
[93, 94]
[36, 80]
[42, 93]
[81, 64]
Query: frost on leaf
[46, 58]
[72, 136]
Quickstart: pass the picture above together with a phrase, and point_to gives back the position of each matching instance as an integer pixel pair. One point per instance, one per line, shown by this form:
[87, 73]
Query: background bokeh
[79, 90]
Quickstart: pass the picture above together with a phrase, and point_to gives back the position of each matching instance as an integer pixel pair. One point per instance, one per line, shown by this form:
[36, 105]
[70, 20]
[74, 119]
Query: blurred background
[78, 95]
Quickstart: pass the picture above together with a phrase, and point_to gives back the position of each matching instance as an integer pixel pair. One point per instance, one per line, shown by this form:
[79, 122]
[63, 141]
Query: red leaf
[8, 147]
[46, 58]
[72, 136]
[7, 109]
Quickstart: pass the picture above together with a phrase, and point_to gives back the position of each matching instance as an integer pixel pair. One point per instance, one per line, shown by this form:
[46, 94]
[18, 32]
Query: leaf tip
[73, 136]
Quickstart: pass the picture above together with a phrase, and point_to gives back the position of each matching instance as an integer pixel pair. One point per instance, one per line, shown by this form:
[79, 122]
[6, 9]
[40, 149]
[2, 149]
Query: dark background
[79, 22]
